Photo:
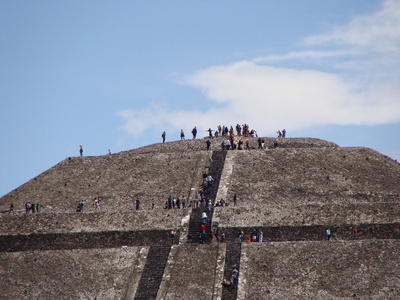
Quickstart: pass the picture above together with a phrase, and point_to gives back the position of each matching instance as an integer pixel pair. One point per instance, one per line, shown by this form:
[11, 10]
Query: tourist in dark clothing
[254, 235]
[203, 237]
[371, 232]
[170, 202]
[163, 136]
[172, 237]
[79, 207]
[241, 234]
[137, 204]
[208, 144]
[183, 201]
[235, 276]
[11, 208]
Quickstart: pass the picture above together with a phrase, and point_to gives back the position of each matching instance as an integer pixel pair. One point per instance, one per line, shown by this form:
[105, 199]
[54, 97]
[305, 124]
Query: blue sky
[115, 74]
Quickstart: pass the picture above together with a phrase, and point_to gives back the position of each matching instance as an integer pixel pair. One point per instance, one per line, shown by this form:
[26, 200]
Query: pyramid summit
[133, 245]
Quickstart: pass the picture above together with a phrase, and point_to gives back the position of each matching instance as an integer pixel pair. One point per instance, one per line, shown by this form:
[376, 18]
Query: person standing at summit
[81, 150]
[194, 132]
[163, 136]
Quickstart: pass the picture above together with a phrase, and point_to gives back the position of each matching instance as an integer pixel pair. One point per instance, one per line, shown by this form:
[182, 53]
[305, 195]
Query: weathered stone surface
[301, 176]
[321, 270]
[118, 179]
[306, 186]
[69, 274]
[92, 222]
[304, 215]
[152, 172]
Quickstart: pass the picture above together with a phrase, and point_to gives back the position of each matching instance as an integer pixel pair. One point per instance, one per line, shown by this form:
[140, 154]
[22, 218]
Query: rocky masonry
[67, 274]
[293, 193]
[322, 270]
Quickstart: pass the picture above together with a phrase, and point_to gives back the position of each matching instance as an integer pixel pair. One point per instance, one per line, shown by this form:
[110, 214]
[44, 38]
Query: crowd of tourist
[228, 131]
[174, 202]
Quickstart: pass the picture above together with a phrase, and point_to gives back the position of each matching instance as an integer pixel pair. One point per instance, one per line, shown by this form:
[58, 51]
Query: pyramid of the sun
[293, 193]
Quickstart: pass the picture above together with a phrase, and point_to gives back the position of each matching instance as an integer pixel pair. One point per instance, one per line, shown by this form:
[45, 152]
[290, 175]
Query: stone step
[233, 252]
[315, 232]
[84, 240]
[153, 272]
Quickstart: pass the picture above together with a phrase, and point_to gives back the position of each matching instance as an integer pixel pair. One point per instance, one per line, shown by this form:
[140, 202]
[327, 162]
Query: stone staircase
[215, 170]
[232, 259]
[153, 272]
[195, 223]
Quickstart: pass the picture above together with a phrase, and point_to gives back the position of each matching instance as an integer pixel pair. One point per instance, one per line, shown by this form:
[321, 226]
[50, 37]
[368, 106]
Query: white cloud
[156, 116]
[271, 97]
[379, 31]
[310, 54]
[298, 98]
[369, 44]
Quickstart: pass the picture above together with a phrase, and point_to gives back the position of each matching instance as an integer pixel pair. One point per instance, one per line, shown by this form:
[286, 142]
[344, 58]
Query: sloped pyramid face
[291, 194]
